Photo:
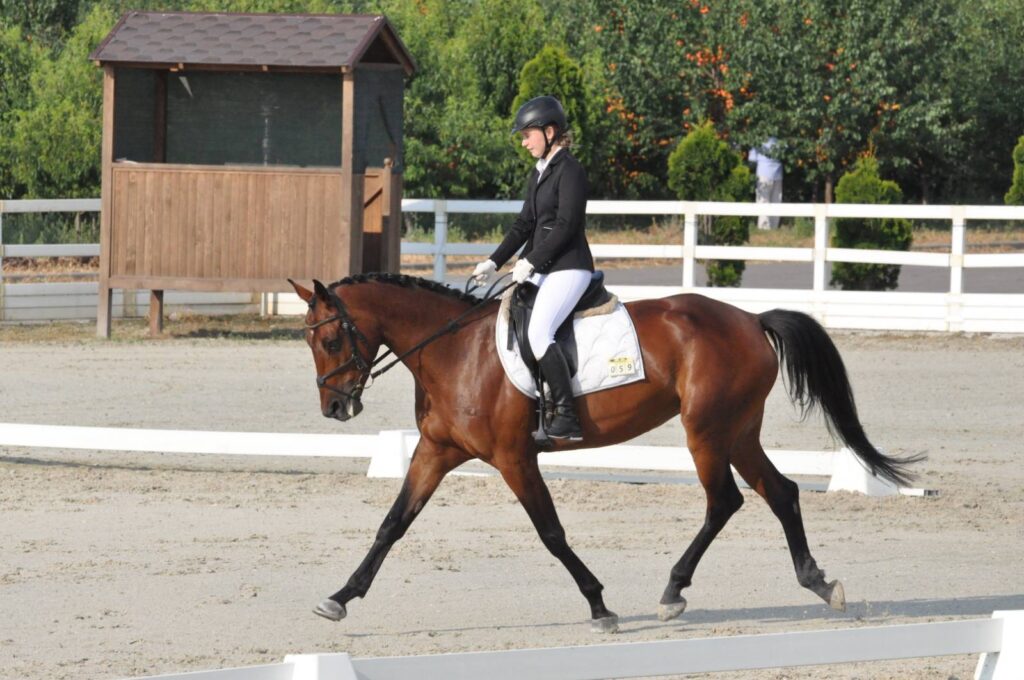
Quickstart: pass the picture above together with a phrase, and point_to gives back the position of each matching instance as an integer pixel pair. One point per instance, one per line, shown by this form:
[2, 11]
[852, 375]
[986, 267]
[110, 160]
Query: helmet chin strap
[548, 143]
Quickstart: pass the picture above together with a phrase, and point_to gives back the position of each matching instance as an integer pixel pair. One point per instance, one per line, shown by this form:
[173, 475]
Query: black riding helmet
[540, 112]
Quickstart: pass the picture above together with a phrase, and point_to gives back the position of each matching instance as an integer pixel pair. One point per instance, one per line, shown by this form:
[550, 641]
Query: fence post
[954, 310]
[329, 666]
[2, 284]
[820, 245]
[689, 248]
[820, 248]
[440, 238]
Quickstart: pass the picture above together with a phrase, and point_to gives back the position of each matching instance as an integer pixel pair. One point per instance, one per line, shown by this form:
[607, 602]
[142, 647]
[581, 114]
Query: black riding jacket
[552, 220]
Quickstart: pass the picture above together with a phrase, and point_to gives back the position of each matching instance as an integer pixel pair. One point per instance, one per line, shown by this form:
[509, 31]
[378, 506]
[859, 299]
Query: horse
[706, 362]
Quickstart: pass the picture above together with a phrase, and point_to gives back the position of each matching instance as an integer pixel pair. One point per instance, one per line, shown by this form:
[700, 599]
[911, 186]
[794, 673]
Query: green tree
[45, 22]
[457, 143]
[1015, 196]
[496, 40]
[553, 73]
[665, 69]
[704, 168]
[55, 144]
[18, 58]
[989, 49]
[826, 78]
[864, 185]
[920, 136]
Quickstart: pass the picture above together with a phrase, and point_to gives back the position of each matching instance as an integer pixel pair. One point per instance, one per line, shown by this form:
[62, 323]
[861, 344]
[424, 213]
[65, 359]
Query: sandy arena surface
[118, 564]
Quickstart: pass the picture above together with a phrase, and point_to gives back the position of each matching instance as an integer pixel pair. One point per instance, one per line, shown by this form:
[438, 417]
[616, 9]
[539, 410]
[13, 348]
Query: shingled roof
[317, 41]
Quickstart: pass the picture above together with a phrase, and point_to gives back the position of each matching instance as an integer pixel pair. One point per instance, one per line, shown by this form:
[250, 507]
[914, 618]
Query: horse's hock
[240, 150]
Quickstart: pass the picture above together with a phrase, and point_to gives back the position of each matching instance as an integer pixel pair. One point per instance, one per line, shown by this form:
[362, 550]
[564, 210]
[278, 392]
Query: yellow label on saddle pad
[621, 366]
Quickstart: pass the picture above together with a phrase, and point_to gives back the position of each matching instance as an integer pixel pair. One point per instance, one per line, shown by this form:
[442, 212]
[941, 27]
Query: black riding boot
[564, 424]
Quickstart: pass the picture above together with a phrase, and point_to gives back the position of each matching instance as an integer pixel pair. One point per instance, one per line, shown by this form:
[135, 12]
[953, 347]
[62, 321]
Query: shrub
[1015, 196]
[553, 72]
[863, 185]
[704, 168]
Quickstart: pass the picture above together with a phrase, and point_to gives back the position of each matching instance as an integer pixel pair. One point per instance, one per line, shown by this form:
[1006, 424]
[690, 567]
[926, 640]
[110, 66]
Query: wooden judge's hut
[243, 149]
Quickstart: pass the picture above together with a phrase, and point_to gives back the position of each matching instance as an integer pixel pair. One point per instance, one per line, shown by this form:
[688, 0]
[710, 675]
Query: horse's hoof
[605, 625]
[329, 609]
[667, 612]
[837, 596]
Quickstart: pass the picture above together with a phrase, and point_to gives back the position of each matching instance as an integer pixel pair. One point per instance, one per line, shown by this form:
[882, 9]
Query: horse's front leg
[524, 478]
[430, 463]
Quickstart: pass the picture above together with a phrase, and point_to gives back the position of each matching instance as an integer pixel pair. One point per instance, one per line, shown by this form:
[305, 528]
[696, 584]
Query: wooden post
[393, 223]
[156, 312]
[106, 158]
[350, 250]
[160, 118]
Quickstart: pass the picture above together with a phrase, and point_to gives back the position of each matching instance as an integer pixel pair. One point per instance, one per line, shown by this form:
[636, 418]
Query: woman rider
[556, 257]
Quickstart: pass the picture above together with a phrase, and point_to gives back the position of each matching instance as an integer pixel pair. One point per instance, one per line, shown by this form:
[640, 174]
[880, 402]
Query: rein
[354, 334]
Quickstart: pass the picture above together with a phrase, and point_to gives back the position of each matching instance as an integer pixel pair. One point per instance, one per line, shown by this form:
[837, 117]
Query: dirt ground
[119, 564]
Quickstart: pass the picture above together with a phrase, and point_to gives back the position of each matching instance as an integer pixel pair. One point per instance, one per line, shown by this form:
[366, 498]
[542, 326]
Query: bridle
[348, 327]
[354, 335]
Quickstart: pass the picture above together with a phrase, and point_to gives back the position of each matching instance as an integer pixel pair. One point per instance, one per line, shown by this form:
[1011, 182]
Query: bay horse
[706, 362]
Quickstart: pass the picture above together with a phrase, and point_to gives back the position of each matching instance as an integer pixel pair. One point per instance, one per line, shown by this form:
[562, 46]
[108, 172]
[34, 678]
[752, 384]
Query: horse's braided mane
[408, 282]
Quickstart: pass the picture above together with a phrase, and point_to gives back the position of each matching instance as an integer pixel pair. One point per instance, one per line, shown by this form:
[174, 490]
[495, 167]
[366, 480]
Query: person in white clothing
[769, 181]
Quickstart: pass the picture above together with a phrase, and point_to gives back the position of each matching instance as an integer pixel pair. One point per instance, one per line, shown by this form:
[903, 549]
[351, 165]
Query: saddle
[521, 309]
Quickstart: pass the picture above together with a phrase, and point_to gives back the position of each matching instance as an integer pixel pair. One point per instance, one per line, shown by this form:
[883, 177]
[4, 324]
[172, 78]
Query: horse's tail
[814, 375]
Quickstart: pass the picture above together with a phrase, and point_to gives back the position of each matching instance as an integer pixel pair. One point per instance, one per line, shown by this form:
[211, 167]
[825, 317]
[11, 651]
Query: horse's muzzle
[342, 408]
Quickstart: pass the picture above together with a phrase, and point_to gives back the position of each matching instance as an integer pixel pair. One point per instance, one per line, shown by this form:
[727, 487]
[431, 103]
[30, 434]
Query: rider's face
[533, 141]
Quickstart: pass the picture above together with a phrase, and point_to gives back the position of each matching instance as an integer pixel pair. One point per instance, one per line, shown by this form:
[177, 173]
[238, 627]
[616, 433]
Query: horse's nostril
[332, 407]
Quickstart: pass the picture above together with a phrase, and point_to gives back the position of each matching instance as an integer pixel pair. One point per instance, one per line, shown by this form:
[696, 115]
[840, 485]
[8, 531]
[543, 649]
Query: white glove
[483, 272]
[522, 270]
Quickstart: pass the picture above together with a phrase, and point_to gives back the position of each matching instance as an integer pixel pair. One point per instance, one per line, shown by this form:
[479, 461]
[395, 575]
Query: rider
[557, 257]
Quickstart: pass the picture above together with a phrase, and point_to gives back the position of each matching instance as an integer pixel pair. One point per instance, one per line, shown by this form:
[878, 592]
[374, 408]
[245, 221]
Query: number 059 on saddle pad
[607, 348]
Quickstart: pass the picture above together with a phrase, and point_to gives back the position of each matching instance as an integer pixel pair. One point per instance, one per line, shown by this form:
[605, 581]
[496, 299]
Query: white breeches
[559, 292]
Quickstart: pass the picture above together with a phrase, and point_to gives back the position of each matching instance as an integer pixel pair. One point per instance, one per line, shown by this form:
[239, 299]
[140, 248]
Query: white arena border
[999, 640]
[390, 451]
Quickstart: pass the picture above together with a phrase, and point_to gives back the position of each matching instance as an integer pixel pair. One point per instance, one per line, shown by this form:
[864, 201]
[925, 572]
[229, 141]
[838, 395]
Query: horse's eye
[333, 345]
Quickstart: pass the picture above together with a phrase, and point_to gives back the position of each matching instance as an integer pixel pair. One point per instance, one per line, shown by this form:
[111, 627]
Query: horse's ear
[321, 291]
[302, 292]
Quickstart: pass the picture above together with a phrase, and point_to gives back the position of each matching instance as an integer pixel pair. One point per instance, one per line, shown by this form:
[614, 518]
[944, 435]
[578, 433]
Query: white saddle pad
[606, 346]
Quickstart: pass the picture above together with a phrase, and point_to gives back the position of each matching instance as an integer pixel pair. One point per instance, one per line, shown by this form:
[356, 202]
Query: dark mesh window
[257, 118]
[134, 101]
[378, 117]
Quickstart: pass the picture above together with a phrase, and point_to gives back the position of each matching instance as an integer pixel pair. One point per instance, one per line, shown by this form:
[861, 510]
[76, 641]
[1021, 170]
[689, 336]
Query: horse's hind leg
[723, 500]
[524, 478]
[430, 463]
[782, 495]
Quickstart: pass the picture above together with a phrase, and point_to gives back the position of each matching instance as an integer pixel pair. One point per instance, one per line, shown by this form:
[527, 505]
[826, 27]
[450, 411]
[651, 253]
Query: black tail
[815, 376]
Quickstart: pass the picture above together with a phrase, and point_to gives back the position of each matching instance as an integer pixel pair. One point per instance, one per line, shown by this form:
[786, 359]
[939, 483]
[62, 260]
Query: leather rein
[353, 334]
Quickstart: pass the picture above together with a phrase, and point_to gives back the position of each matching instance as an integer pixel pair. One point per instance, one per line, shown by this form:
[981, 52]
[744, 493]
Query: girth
[521, 309]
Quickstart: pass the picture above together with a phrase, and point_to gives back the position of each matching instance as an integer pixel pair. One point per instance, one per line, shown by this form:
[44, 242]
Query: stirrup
[571, 428]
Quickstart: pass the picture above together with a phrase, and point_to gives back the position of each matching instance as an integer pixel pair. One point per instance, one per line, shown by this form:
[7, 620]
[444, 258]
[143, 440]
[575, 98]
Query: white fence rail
[999, 641]
[952, 310]
[391, 450]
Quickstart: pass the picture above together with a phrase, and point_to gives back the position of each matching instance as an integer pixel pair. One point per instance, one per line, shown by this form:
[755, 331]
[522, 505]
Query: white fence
[952, 310]
[391, 450]
[999, 641]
